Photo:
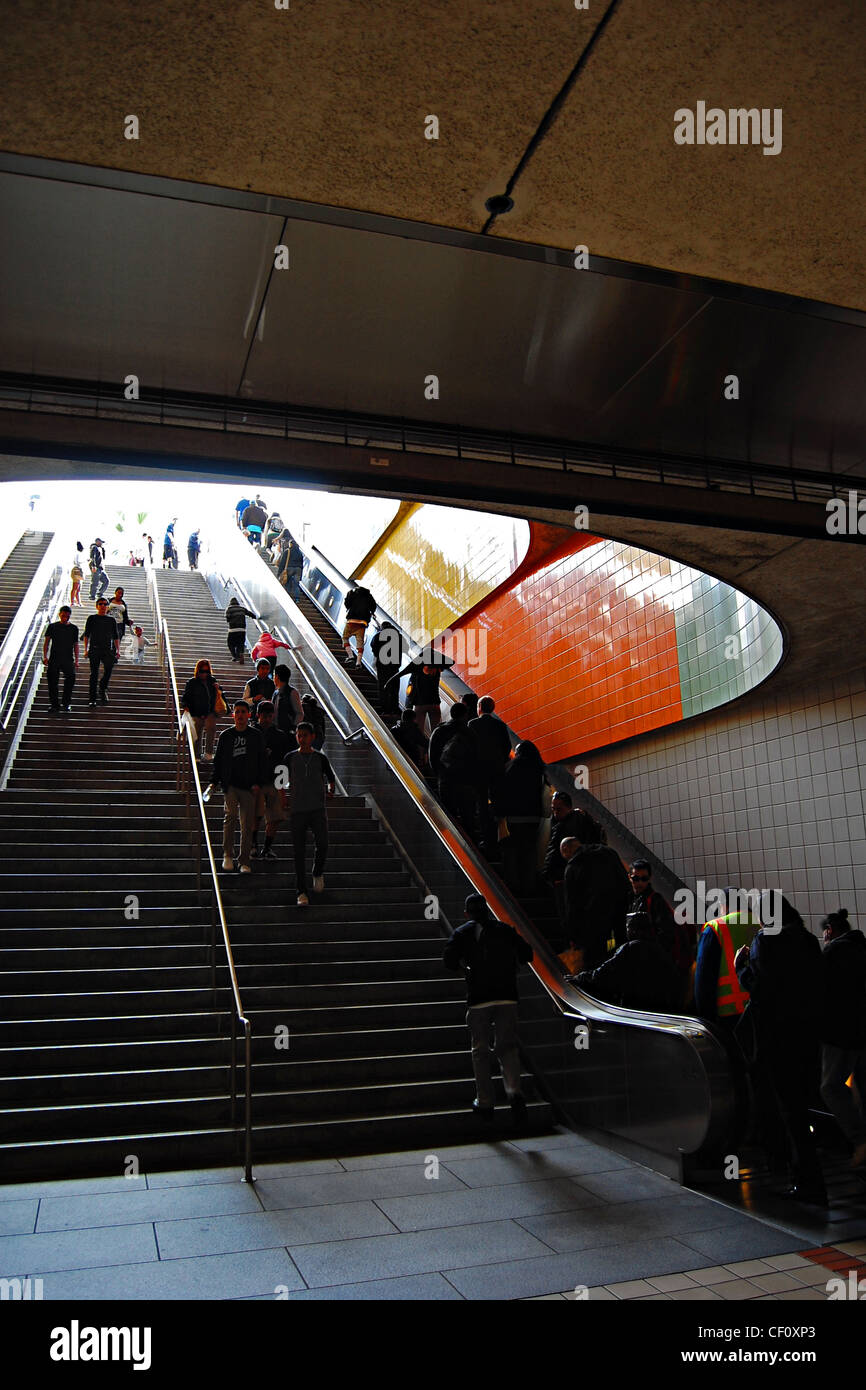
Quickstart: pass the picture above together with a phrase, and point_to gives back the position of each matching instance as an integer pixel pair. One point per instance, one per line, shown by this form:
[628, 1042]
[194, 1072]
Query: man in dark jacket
[388, 653]
[261, 687]
[843, 1029]
[236, 617]
[453, 761]
[61, 639]
[490, 952]
[781, 972]
[493, 750]
[566, 824]
[253, 522]
[310, 776]
[596, 897]
[240, 768]
[422, 694]
[100, 648]
[672, 936]
[410, 738]
[360, 607]
[639, 975]
[271, 800]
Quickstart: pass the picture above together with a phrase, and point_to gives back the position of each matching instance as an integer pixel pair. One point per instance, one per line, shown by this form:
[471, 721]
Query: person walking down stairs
[240, 769]
[100, 649]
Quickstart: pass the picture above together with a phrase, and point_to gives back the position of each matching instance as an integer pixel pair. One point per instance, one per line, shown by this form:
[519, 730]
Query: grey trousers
[244, 802]
[503, 1019]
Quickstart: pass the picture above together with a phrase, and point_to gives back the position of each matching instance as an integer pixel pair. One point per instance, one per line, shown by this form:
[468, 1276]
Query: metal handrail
[217, 909]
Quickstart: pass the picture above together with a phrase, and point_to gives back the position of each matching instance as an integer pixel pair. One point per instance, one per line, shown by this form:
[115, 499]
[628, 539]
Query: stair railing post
[248, 1101]
[234, 1066]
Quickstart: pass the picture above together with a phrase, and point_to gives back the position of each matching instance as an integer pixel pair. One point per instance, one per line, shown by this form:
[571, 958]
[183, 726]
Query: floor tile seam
[295, 1266]
[156, 1240]
[558, 1254]
[36, 1217]
[391, 1222]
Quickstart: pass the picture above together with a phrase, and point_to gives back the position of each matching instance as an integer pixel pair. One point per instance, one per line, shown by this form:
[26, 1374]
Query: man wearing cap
[490, 952]
[101, 647]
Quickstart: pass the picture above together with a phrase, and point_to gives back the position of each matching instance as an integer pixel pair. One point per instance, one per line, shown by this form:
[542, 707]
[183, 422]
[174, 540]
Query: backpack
[458, 753]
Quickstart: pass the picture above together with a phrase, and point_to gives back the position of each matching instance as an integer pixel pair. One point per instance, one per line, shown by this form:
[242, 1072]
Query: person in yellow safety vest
[718, 993]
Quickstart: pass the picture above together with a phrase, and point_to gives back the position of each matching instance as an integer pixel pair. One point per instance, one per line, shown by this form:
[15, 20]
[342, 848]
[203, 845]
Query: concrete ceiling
[326, 102]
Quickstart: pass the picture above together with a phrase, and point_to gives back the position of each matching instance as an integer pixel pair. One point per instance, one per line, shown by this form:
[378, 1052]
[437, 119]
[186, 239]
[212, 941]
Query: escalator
[16, 573]
[660, 1088]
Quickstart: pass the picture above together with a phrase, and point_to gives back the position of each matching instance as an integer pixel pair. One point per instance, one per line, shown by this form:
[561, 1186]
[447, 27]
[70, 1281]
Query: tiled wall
[605, 641]
[767, 796]
[442, 561]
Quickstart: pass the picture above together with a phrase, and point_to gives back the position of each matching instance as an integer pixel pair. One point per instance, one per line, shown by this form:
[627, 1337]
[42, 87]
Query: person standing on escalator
[360, 607]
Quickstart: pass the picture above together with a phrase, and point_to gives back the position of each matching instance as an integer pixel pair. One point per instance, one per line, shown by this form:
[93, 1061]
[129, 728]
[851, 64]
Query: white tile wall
[772, 796]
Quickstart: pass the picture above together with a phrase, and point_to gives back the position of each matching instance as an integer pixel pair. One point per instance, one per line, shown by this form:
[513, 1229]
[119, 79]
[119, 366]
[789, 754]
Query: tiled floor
[555, 1217]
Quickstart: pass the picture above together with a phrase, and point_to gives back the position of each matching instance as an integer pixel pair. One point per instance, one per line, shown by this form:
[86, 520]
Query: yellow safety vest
[732, 933]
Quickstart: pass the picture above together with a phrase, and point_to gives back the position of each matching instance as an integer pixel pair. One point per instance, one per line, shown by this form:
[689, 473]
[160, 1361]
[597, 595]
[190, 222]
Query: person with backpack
[360, 607]
[639, 975]
[291, 565]
[453, 759]
[253, 522]
[387, 648]
[422, 692]
[491, 952]
[597, 894]
[288, 709]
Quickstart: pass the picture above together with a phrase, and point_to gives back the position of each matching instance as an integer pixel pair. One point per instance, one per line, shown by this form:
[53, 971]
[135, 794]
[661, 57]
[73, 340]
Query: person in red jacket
[267, 647]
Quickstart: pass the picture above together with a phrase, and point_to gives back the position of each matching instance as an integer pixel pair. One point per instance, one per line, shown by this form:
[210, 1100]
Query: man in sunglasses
[670, 935]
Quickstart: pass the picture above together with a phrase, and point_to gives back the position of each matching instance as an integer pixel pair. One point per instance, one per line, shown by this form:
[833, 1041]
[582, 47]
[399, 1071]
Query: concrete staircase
[377, 1048]
[110, 1043]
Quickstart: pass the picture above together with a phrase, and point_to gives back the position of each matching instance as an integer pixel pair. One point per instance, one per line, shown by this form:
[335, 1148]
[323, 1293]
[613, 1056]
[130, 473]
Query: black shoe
[485, 1111]
[53, 709]
[103, 699]
[67, 709]
[92, 704]
[267, 854]
[518, 1112]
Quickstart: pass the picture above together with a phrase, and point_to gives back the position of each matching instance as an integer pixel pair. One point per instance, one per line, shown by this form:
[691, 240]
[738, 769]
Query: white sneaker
[318, 884]
[245, 869]
[303, 900]
[228, 863]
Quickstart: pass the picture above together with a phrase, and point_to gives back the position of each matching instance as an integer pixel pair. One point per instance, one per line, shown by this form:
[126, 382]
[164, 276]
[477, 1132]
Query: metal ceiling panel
[359, 320]
[801, 381]
[99, 283]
